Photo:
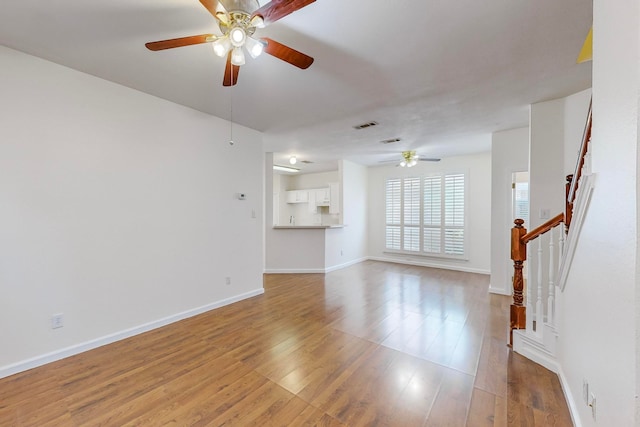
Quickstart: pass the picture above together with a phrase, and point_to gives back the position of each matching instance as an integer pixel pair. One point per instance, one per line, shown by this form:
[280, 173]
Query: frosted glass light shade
[237, 56]
[221, 46]
[257, 21]
[254, 47]
[237, 36]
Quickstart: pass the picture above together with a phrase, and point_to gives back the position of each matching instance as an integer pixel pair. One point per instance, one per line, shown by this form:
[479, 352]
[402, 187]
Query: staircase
[538, 299]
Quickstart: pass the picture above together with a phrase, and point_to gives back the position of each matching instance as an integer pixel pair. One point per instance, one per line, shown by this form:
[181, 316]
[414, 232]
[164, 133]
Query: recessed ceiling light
[293, 160]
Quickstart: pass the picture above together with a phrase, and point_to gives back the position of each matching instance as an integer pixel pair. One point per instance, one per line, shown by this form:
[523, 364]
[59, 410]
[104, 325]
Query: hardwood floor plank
[372, 344]
[482, 410]
[453, 400]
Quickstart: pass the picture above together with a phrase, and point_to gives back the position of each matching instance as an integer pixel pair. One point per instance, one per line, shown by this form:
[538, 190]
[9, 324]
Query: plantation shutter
[411, 205]
[454, 214]
[432, 214]
[393, 236]
[426, 215]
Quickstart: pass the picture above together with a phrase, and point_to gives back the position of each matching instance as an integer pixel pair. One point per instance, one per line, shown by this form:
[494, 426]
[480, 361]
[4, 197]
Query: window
[426, 215]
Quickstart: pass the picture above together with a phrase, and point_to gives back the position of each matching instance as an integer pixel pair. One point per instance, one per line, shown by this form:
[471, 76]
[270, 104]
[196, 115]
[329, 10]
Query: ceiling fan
[238, 21]
[410, 159]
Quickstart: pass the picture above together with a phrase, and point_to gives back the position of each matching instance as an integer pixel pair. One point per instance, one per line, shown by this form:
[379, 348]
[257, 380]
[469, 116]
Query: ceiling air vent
[306, 161]
[365, 125]
[390, 141]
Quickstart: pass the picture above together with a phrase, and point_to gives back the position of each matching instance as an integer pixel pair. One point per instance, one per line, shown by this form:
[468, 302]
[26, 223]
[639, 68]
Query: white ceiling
[440, 75]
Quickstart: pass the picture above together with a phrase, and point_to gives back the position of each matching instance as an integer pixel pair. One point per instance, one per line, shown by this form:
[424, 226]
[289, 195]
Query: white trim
[581, 204]
[530, 347]
[314, 270]
[294, 270]
[500, 291]
[427, 254]
[346, 264]
[568, 396]
[53, 356]
[431, 264]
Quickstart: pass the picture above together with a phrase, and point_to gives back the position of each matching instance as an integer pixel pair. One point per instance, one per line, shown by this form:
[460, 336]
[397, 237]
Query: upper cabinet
[323, 196]
[297, 196]
[328, 196]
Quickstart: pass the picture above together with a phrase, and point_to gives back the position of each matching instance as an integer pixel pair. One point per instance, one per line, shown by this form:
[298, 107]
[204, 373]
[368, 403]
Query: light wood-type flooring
[374, 344]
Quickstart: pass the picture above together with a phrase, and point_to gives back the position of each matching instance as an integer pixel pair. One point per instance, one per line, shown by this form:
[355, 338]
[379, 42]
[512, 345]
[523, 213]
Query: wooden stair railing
[571, 186]
[519, 240]
[520, 237]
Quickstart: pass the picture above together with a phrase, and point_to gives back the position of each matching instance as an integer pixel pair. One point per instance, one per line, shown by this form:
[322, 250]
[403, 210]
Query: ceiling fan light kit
[238, 21]
[410, 159]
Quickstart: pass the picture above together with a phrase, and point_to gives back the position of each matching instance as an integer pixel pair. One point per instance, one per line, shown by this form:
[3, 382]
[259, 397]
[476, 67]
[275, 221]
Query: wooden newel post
[519, 256]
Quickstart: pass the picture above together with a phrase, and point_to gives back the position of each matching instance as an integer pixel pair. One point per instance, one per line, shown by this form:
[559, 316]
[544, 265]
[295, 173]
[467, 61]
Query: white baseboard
[531, 348]
[314, 270]
[431, 264]
[346, 264]
[293, 270]
[568, 396]
[500, 291]
[53, 356]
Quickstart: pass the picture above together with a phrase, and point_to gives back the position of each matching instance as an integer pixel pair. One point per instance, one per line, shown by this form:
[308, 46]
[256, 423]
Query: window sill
[426, 255]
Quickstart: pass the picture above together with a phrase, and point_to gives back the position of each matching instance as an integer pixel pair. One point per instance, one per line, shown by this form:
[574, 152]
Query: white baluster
[551, 303]
[539, 314]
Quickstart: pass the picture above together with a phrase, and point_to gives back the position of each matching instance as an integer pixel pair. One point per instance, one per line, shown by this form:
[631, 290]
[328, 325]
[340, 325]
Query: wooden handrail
[584, 146]
[541, 229]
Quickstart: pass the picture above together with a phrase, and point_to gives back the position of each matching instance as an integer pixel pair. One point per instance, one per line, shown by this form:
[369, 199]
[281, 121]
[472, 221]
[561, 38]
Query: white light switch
[545, 213]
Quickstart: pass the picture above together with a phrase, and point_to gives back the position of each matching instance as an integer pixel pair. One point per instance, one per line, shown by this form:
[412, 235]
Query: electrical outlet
[57, 321]
[592, 404]
[227, 280]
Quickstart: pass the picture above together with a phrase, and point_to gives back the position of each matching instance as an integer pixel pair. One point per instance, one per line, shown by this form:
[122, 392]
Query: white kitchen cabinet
[312, 207]
[323, 196]
[334, 198]
[297, 196]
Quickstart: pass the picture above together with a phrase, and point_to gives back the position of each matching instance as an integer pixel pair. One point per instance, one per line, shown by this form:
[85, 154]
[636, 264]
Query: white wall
[478, 167]
[599, 322]
[116, 209]
[576, 108]
[546, 160]
[509, 154]
[348, 245]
